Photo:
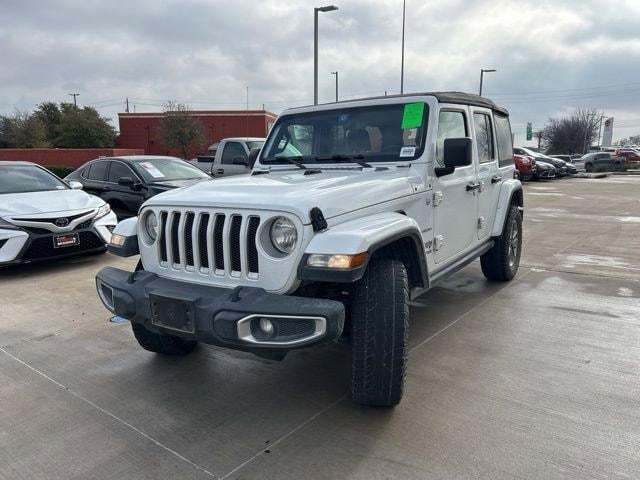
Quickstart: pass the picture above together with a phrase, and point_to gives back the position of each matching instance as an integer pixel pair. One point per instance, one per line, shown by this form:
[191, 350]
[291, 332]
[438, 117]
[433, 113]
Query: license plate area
[173, 312]
[67, 240]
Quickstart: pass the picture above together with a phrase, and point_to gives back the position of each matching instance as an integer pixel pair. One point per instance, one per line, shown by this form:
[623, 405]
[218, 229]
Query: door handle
[496, 179]
[107, 188]
[472, 187]
[220, 171]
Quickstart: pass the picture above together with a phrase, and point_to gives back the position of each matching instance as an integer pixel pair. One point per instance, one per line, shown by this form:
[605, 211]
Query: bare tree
[632, 140]
[179, 129]
[573, 133]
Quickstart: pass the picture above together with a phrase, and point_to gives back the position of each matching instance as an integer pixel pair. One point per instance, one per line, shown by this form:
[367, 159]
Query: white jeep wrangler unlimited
[352, 209]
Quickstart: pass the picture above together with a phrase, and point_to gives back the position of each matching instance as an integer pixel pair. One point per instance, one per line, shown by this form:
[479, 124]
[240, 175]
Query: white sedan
[42, 217]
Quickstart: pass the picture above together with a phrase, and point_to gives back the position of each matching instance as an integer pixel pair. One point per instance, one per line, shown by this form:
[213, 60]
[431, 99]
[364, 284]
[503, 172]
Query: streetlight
[328, 8]
[404, 5]
[482, 72]
[336, 74]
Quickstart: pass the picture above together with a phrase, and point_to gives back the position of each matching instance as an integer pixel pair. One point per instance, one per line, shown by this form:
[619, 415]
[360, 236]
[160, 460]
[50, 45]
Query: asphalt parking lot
[538, 378]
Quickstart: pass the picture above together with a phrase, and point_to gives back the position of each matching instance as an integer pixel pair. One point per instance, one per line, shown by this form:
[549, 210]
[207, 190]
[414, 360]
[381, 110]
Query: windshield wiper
[295, 160]
[338, 157]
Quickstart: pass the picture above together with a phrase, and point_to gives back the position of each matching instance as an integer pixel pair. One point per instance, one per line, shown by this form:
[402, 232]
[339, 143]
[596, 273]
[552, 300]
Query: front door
[230, 164]
[489, 176]
[454, 199]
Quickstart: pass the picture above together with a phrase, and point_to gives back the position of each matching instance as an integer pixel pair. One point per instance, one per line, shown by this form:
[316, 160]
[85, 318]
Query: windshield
[167, 169]
[28, 178]
[382, 133]
[255, 144]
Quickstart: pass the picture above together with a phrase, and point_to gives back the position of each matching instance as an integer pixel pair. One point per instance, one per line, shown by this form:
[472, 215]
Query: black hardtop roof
[460, 98]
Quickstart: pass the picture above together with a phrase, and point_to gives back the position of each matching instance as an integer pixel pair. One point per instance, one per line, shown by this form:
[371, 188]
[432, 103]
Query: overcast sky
[550, 56]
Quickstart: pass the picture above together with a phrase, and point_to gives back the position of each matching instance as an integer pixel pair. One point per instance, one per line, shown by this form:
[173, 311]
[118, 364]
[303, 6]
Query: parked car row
[536, 165]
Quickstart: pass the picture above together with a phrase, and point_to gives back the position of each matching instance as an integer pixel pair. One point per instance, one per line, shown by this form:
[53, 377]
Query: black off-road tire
[379, 331]
[501, 263]
[162, 343]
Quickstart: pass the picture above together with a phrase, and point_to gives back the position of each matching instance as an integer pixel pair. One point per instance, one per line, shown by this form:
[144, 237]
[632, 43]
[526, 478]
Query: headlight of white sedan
[103, 210]
[284, 235]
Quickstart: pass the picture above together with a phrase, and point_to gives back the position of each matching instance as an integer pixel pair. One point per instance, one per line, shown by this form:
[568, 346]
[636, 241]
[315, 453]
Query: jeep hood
[335, 192]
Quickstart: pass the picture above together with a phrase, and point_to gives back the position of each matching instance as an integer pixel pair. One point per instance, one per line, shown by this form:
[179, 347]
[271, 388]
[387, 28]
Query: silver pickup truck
[228, 157]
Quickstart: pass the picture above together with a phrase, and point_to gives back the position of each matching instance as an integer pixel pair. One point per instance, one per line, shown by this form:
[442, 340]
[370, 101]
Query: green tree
[23, 130]
[180, 130]
[50, 115]
[83, 128]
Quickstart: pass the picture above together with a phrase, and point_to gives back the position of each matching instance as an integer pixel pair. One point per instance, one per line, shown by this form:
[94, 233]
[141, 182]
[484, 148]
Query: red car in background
[630, 155]
[526, 166]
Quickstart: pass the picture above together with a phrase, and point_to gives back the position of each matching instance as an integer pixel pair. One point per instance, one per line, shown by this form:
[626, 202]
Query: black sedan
[126, 182]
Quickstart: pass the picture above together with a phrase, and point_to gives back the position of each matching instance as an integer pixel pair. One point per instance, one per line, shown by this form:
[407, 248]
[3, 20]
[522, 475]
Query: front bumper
[219, 316]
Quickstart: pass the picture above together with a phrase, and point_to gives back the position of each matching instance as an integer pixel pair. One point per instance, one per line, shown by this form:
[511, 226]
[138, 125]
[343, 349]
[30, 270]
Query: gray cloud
[551, 56]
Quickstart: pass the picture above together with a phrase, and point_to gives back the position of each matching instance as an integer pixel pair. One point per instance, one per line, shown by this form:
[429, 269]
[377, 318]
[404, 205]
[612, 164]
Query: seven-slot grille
[222, 244]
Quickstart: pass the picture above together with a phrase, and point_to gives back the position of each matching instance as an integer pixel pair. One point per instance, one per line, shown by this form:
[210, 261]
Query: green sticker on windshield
[412, 117]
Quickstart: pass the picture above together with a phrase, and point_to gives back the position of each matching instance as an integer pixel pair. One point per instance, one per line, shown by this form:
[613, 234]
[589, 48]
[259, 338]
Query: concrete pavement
[538, 378]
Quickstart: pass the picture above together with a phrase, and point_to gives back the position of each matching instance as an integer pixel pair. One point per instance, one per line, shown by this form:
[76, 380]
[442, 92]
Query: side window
[233, 150]
[503, 137]
[119, 170]
[451, 124]
[85, 171]
[98, 171]
[484, 137]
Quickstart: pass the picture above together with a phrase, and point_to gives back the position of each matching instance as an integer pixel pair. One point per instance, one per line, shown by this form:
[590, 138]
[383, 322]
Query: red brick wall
[140, 130]
[68, 157]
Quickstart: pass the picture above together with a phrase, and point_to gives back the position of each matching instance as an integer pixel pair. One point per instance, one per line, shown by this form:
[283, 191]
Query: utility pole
[74, 95]
[127, 105]
[247, 115]
[336, 74]
[404, 9]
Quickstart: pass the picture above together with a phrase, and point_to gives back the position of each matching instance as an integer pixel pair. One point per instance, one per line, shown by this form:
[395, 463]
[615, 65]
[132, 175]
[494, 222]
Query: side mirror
[457, 153]
[129, 182]
[240, 161]
[253, 156]
[75, 185]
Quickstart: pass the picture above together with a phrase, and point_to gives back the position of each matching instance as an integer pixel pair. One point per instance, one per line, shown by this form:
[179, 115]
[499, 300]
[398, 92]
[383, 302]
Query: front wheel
[502, 261]
[379, 329]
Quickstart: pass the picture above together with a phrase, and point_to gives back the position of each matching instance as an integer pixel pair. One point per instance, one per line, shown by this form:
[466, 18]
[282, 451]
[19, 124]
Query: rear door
[455, 199]
[96, 177]
[233, 153]
[125, 200]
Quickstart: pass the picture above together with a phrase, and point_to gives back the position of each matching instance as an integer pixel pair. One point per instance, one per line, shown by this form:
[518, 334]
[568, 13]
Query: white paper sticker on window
[407, 151]
[411, 133]
[151, 168]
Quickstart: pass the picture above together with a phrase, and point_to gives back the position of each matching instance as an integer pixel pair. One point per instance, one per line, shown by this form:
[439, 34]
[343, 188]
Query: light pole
[336, 74]
[404, 4]
[328, 8]
[482, 72]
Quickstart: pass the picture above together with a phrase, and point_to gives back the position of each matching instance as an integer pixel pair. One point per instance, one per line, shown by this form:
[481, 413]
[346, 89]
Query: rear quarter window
[503, 136]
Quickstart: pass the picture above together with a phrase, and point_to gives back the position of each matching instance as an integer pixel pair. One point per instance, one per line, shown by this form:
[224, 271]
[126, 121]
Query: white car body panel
[24, 209]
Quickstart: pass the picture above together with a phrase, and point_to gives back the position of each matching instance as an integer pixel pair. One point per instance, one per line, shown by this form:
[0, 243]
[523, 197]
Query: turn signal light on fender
[340, 262]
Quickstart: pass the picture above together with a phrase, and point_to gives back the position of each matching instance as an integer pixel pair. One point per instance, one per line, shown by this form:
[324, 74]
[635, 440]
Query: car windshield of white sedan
[167, 169]
[27, 178]
[382, 133]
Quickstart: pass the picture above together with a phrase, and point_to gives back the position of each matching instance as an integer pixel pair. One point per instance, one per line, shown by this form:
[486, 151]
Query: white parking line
[108, 413]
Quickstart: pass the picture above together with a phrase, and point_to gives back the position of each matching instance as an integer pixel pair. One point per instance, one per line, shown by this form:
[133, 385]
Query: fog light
[117, 240]
[266, 326]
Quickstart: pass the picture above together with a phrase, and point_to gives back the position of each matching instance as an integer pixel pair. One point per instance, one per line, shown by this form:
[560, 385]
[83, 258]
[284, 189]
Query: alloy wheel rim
[513, 243]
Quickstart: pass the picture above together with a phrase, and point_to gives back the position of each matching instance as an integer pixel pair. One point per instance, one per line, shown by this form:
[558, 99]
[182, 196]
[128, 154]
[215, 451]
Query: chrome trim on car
[244, 329]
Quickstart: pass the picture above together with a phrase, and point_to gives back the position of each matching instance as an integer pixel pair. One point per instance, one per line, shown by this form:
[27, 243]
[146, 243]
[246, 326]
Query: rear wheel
[502, 261]
[162, 343]
[379, 329]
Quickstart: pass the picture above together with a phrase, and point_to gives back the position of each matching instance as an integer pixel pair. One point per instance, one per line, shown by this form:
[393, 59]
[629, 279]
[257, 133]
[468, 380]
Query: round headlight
[284, 235]
[151, 225]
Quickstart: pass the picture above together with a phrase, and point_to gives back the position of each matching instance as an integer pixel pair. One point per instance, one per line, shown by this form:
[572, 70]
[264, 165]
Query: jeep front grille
[220, 244]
